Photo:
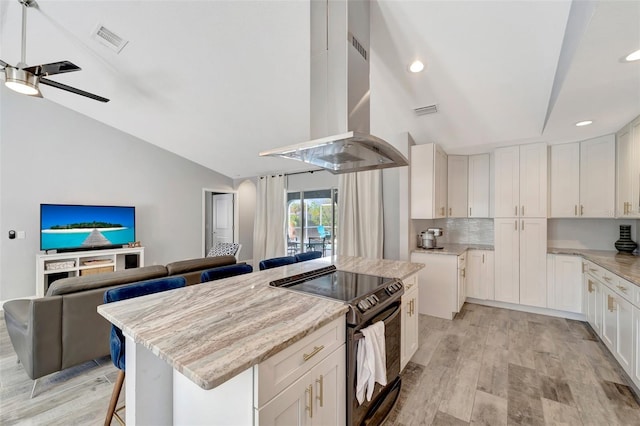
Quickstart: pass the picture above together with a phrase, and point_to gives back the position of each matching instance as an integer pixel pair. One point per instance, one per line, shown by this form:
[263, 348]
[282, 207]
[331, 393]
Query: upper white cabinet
[457, 171]
[428, 182]
[597, 177]
[521, 181]
[628, 170]
[478, 193]
[583, 178]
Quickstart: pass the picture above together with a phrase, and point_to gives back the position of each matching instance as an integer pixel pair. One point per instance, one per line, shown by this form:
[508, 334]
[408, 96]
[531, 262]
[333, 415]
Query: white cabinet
[521, 261]
[480, 274]
[582, 178]
[597, 177]
[305, 383]
[410, 326]
[457, 170]
[636, 345]
[564, 283]
[81, 263]
[628, 170]
[478, 186]
[316, 398]
[438, 284]
[593, 302]
[428, 182]
[462, 280]
[624, 334]
[521, 181]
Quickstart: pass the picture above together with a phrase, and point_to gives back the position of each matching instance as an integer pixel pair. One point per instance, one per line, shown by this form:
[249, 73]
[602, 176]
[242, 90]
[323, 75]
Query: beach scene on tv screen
[65, 226]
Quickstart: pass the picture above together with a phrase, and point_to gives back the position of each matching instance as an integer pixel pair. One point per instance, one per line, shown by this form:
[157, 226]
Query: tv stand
[50, 267]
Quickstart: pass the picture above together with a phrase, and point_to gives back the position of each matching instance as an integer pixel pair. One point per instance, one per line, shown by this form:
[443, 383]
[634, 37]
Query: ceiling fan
[24, 79]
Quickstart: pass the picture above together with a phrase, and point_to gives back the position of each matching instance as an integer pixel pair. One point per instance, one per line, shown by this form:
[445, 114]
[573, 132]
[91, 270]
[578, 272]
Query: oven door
[374, 412]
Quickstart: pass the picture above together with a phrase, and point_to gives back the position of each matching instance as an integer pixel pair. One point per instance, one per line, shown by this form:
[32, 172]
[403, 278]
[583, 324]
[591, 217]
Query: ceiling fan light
[21, 81]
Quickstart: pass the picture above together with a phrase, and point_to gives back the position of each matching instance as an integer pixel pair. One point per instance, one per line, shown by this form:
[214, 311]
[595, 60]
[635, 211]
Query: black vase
[625, 244]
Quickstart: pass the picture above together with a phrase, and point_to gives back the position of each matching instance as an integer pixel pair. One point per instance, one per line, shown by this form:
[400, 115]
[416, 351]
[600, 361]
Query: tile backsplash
[460, 231]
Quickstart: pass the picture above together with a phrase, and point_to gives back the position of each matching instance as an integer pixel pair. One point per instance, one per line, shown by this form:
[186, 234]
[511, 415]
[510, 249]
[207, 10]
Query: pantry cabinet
[478, 187]
[428, 182]
[521, 261]
[457, 182]
[480, 274]
[564, 283]
[628, 170]
[521, 181]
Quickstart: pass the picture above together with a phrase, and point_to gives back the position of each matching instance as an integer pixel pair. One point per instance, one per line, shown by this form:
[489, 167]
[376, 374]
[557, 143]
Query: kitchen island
[191, 351]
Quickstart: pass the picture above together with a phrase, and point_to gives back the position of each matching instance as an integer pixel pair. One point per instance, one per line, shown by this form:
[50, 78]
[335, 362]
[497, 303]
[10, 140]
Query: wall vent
[360, 48]
[429, 109]
[109, 38]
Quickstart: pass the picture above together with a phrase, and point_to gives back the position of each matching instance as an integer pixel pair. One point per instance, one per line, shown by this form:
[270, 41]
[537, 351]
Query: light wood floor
[488, 366]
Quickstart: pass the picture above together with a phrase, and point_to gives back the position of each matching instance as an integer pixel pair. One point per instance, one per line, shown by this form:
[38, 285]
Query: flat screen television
[66, 227]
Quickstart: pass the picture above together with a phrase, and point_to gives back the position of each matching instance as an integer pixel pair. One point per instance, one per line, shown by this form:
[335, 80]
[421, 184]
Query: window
[311, 219]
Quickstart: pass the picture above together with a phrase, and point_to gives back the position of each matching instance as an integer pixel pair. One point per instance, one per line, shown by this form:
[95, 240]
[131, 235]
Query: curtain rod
[300, 173]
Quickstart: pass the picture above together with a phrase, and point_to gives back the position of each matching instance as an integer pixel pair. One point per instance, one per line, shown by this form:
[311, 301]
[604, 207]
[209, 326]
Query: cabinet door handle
[516, 211]
[320, 397]
[590, 287]
[315, 350]
[469, 211]
[516, 224]
[622, 288]
[482, 257]
[607, 279]
[522, 211]
[523, 225]
[610, 303]
[581, 210]
[575, 210]
[449, 211]
[309, 407]
[464, 272]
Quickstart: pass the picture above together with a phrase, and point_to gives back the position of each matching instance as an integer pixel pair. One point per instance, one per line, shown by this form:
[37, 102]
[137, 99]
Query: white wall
[596, 234]
[49, 154]
[246, 214]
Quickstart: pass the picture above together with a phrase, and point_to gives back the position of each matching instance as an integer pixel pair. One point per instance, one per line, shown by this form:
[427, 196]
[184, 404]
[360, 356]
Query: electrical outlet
[21, 235]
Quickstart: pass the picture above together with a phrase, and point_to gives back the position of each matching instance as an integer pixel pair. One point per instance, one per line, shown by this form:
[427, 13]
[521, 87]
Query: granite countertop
[454, 249]
[626, 266]
[213, 331]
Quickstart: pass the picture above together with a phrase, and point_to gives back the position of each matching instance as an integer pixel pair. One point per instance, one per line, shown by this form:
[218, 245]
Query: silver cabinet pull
[315, 350]
[516, 211]
[575, 210]
[581, 210]
[590, 287]
[469, 211]
[482, 257]
[449, 211]
[523, 225]
[622, 288]
[320, 397]
[522, 210]
[610, 303]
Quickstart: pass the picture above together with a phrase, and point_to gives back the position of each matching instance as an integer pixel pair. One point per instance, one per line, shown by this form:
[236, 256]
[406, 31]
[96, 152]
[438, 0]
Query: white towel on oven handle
[371, 361]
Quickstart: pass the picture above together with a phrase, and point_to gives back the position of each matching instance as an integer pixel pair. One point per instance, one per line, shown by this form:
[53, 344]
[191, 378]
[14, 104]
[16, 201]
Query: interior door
[222, 218]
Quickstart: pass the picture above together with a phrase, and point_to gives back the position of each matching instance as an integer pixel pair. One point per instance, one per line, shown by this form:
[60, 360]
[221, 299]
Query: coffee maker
[429, 239]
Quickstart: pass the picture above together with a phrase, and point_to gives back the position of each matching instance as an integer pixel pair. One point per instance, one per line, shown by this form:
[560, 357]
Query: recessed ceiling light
[635, 56]
[584, 123]
[416, 66]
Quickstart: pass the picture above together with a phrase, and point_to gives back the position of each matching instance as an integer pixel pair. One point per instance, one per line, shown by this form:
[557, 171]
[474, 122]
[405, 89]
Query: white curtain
[270, 219]
[360, 214]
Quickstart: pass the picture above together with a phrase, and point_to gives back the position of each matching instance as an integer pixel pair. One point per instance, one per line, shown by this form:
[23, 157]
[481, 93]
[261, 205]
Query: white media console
[78, 263]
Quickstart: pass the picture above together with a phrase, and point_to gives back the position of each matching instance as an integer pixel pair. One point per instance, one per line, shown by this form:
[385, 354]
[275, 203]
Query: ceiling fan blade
[53, 68]
[72, 90]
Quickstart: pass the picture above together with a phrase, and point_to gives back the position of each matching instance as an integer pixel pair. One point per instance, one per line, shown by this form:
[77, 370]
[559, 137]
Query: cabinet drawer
[410, 282]
[273, 375]
[625, 289]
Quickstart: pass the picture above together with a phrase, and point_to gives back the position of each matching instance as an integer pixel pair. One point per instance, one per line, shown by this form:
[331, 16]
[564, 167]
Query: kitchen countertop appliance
[370, 299]
[429, 239]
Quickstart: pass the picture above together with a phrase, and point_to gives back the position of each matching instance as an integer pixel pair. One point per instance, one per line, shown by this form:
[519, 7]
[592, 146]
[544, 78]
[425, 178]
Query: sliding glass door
[311, 218]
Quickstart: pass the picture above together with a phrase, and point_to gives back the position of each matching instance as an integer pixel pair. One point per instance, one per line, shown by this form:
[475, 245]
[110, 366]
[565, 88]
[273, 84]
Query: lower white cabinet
[438, 282]
[564, 283]
[479, 280]
[462, 280]
[636, 346]
[305, 383]
[409, 325]
[593, 302]
[316, 398]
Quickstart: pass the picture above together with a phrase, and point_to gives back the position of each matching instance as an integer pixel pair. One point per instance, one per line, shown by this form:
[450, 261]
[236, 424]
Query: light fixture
[416, 66]
[21, 81]
[584, 123]
[635, 56]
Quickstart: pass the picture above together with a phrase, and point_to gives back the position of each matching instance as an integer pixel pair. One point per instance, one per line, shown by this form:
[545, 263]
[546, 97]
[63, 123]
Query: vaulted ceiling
[219, 81]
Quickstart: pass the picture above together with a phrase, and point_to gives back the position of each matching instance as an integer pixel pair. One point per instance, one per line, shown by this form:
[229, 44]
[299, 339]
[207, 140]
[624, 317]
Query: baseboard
[530, 309]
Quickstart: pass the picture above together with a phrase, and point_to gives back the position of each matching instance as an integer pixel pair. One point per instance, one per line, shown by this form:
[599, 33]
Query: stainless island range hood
[340, 94]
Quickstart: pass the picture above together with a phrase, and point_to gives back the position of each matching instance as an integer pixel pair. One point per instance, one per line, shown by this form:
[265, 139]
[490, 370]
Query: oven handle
[387, 320]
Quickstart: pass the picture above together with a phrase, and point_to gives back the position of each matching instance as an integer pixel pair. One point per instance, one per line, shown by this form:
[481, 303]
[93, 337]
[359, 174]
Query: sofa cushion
[88, 282]
[190, 265]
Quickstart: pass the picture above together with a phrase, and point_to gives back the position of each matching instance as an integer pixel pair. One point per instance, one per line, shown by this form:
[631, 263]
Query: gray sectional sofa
[63, 328]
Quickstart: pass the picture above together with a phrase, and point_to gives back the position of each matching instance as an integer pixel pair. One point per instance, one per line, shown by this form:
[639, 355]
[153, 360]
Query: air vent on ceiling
[109, 38]
[429, 109]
